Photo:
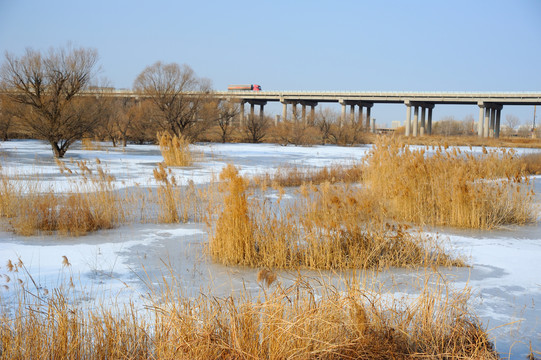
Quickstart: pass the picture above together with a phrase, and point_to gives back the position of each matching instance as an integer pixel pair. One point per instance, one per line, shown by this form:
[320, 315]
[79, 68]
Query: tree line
[40, 97]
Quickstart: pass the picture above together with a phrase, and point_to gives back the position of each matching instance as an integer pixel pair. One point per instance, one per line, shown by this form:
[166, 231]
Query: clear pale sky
[459, 45]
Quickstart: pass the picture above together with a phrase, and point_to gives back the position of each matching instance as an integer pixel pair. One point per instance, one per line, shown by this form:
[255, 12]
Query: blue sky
[412, 45]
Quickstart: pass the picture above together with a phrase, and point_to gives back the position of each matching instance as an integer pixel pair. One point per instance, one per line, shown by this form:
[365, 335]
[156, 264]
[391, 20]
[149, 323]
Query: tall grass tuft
[352, 321]
[90, 205]
[290, 176]
[449, 187]
[326, 227]
[233, 240]
[175, 150]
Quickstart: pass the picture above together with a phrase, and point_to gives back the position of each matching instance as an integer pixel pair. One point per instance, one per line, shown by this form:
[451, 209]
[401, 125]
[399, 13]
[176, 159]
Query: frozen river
[504, 275]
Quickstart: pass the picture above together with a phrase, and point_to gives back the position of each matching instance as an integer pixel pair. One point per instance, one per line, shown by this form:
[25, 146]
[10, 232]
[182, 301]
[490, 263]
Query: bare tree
[226, 112]
[512, 122]
[256, 128]
[176, 94]
[325, 119]
[48, 85]
[6, 118]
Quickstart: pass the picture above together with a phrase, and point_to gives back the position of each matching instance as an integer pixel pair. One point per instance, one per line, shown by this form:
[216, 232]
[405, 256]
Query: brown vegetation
[90, 205]
[292, 175]
[328, 227]
[175, 149]
[47, 85]
[362, 321]
[449, 187]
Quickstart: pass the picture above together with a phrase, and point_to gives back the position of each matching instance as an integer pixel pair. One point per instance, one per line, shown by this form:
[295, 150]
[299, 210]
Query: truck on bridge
[249, 87]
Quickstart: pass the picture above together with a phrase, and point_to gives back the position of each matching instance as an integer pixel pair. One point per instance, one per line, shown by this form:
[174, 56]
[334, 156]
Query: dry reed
[326, 227]
[178, 203]
[175, 150]
[290, 176]
[92, 204]
[449, 187]
[361, 321]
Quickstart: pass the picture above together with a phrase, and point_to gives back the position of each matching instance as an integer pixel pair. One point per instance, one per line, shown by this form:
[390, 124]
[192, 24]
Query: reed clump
[175, 150]
[326, 227]
[233, 240]
[298, 321]
[91, 205]
[176, 203]
[449, 187]
[531, 163]
[293, 175]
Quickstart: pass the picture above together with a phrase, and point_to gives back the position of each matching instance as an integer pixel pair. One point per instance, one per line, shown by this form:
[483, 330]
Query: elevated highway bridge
[490, 104]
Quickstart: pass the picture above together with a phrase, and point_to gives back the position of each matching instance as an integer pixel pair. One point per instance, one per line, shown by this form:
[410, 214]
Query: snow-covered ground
[122, 263]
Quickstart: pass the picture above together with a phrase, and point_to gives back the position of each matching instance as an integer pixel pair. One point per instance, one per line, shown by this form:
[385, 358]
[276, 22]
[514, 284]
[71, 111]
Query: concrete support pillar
[486, 122]
[423, 123]
[373, 126]
[481, 119]
[343, 115]
[497, 127]
[352, 114]
[303, 112]
[312, 114]
[284, 111]
[294, 111]
[368, 108]
[261, 112]
[241, 114]
[415, 120]
[492, 121]
[407, 124]
[252, 106]
[360, 115]
[276, 120]
[429, 121]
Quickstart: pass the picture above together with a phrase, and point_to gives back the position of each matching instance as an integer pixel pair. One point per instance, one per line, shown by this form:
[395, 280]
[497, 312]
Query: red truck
[253, 87]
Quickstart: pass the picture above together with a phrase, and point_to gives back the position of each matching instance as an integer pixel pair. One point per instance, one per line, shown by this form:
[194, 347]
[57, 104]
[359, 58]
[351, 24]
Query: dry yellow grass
[290, 176]
[531, 163]
[327, 227]
[448, 187]
[90, 205]
[464, 140]
[355, 320]
[175, 150]
[176, 203]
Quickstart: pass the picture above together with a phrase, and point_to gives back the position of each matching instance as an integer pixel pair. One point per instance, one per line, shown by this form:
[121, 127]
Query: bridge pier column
[492, 121]
[481, 119]
[415, 120]
[429, 120]
[423, 123]
[486, 123]
[284, 111]
[360, 115]
[252, 106]
[241, 114]
[303, 112]
[261, 112]
[312, 114]
[343, 115]
[368, 108]
[294, 111]
[497, 127]
[352, 114]
[407, 123]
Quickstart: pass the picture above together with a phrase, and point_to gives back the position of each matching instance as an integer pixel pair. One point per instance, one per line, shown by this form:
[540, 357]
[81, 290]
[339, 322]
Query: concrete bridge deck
[490, 104]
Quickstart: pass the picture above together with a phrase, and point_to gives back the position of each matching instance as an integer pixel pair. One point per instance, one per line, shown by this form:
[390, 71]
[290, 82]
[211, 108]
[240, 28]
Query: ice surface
[122, 263]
